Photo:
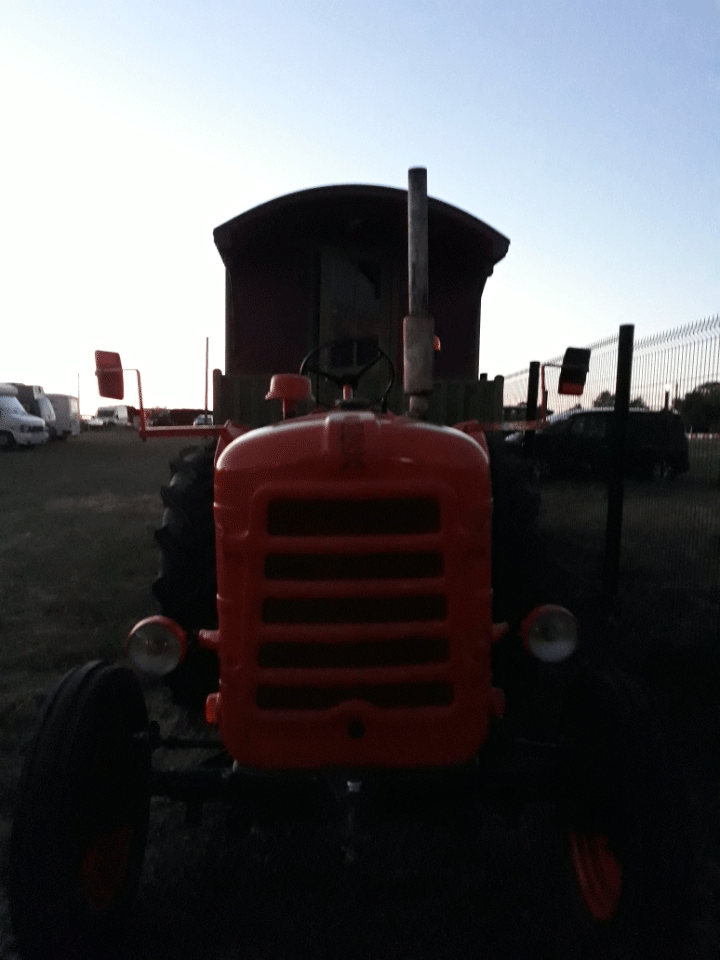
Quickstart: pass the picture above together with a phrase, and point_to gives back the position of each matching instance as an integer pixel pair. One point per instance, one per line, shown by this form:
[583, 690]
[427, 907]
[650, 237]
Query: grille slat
[341, 610]
[389, 516]
[364, 654]
[397, 565]
[386, 696]
[328, 632]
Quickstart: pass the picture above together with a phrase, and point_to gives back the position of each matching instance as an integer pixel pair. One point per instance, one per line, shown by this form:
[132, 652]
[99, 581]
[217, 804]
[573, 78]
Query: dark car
[578, 445]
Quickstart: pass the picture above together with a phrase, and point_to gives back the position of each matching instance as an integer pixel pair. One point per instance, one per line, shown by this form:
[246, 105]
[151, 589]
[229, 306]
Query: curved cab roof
[358, 214]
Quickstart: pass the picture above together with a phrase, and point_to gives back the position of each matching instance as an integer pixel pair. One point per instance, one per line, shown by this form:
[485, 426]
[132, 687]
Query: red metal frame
[543, 405]
[599, 873]
[226, 432]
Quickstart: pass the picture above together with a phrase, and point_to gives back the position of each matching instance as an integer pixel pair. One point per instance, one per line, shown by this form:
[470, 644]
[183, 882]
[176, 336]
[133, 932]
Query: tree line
[699, 408]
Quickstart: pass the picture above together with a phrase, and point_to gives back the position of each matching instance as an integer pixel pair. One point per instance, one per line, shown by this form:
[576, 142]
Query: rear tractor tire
[517, 550]
[186, 587]
[81, 816]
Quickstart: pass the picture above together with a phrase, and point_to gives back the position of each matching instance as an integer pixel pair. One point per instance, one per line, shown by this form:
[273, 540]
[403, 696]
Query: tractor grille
[354, 605]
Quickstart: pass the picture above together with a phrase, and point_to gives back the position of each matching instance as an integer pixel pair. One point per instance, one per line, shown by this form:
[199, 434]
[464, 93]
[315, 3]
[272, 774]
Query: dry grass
[670, 555]
[77, 557]
[78, 553]
[705, 459]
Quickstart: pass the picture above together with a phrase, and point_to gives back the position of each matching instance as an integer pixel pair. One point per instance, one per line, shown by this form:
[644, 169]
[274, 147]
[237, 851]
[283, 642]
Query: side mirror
[108, 370]
[574, 371]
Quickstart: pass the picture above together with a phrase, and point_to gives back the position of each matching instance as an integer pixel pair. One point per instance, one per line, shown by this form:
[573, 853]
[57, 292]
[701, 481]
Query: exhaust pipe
[418, 326]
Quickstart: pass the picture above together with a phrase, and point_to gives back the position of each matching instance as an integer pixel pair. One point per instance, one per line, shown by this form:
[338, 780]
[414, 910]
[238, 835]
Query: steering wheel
[353, 372]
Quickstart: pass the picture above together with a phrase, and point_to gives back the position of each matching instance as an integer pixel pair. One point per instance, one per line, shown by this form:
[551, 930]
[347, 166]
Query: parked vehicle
[203, 420]
[67, 415]
[361, 670]
[110, 417]
[17, 426]
[35, 401]
[578, 444]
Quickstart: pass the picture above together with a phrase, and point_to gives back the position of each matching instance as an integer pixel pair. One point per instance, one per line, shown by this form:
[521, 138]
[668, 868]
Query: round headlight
[550, 633]
[156, 645]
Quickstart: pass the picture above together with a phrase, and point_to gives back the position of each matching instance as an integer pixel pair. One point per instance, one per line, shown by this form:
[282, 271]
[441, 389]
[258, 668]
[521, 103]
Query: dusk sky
[586, 132]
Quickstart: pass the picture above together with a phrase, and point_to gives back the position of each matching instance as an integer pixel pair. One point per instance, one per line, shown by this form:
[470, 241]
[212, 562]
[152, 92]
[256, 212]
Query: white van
[17, 426]
[67, 415]
[111, 417]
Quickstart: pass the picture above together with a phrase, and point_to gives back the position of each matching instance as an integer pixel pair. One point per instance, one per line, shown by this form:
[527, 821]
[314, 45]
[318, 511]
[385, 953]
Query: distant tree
[700, 408]
[607, 399]
[604, 399]
[709, 389]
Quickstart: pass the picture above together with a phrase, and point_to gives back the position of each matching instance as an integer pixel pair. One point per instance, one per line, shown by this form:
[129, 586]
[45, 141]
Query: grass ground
[77, 557]
[664, 625]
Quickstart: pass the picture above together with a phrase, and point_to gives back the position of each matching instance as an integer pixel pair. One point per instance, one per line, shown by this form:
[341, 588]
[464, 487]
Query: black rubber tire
[186, 586]
[80, 822]
[517, 550]
[621, 781]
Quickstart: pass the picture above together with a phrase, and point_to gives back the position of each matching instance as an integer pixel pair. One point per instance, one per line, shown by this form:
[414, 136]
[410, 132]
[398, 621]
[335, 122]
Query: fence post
[616, 484]
[531, 406]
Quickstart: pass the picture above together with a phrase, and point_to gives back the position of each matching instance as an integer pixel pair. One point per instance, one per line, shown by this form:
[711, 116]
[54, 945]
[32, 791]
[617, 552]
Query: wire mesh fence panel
[670, 555]
[671, 537]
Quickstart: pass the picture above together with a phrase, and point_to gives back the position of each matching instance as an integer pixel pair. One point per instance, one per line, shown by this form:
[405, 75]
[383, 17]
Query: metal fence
[670, 548]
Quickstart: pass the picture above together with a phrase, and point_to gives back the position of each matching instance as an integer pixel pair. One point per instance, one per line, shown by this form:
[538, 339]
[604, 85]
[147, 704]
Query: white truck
[67, 415]
[18, 428]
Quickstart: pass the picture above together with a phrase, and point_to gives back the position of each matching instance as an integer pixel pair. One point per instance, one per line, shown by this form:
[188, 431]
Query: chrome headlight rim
[156, 646]
[550, 633]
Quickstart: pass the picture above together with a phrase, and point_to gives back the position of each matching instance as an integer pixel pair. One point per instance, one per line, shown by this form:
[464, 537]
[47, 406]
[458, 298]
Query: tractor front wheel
[80, 822]
[625, 816]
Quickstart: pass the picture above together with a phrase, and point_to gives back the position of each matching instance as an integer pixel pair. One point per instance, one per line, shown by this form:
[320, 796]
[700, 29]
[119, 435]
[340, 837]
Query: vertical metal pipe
[218, 404]
[417, 241]
[531, 405]
[616, 486]
[418, 326]
[207, 355]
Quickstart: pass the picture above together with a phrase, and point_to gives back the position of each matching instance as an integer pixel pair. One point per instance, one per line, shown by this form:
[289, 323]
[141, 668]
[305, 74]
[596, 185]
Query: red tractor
[353, 631]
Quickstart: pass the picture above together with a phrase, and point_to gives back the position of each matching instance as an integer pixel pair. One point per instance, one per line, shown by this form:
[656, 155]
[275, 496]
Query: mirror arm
[543, 416]
[143, 422]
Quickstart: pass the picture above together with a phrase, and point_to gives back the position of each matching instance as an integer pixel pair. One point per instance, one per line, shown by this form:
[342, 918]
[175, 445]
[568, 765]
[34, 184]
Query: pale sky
[585, 131]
